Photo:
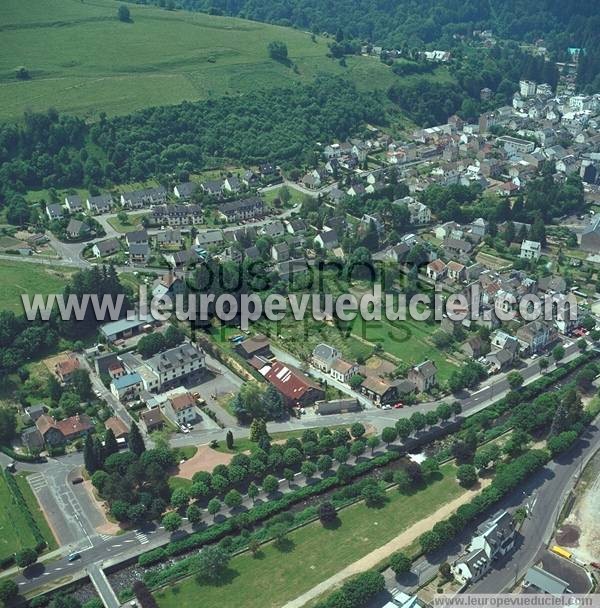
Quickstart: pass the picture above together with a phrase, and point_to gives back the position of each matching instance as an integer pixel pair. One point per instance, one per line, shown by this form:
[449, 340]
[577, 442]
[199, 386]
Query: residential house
[182, 259]
[174, 365]
[257, 346]
[54, 212]
[139, 253]
[280, 252]
[495, 538]
[536, 336]
[457, 247]
[181, 409]
[65, 369]
[500, 360]
[116, 370]
[424, 376]
[590, 237]
[326, 239]
[311, 181]
[185, 190]
[136, 237]
[209, 238]
[136, 199]
[419, 213]
[108, 247]
[102, 203]
[379, 391]
[212, 187]
[274, 229]
[118, 427]
[530, 250]
[170, 238]
[447, 230]
[33, 412]
[374, 219]
[152, 420]
[244, 209]
[74, 204]
[175, 215]
[127, 387]
[323, 357]
[356, 189]
[436, 270]
[295, 387]
[232, 184]
[59, 432]
[473, 347]
[267, 170]
[456, 272]
[168, 285]
[76, 229]
[124, 328]
[296, 226]
[342, 371]
[287, 270]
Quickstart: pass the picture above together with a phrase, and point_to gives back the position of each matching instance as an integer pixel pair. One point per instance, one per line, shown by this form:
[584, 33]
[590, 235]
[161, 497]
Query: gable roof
[290, 381]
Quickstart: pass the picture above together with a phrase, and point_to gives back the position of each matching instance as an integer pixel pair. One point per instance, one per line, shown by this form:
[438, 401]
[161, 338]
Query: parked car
[398, 405]
[387, 406]
[77, 480]
[73, 556]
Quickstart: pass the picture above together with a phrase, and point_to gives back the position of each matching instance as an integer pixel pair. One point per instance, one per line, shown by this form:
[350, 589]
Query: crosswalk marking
[142, 538]
[37, 481]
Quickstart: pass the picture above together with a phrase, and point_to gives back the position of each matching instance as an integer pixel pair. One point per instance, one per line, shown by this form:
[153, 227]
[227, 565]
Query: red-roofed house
[296, 388]
[58, 432]
[181, 409]
[64, 369]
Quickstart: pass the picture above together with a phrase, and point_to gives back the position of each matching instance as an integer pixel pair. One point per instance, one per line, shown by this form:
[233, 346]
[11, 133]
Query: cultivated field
[83, 60]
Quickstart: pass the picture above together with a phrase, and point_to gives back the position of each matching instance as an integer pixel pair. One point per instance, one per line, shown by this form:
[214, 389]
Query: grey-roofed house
[175, 364]
[139, 253]
[212, 187]
[423, 375]
[257, 346]
[76, 229]
[182, 259]
[274, 229]
[108, 247]
[209, 238]
[232, 184]
[244, 209]
[73, 203]
[327, 239]
[169, 238]
[323, 356]
[100, 204]
[137, 199]
[590, 238]
[296, 226]
[286, 270]
[35, 411]
[54, 211]
[185, 189]
[136, 237]
[32, 439]
[280, 252]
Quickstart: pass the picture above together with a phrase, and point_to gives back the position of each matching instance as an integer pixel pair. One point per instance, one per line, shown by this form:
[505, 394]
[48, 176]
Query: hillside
[83, 60]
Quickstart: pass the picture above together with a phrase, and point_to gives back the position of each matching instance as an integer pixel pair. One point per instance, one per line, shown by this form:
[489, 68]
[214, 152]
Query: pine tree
[136, 441]
[110, 444]
[89, 456]
[98, 452]
[229, 440]
[255, 430]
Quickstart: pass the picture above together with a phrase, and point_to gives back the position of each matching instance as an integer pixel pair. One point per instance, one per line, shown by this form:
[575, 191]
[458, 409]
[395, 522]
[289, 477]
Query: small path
[378, 555]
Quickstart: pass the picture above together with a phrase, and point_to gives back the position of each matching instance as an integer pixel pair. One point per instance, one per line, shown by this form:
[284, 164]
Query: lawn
[15, 533]
[83, 60]
[20, 277]
[314, 553]
[407, 340]
[134, 222]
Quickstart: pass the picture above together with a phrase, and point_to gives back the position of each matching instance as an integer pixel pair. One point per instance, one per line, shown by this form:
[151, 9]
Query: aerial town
[195, 460]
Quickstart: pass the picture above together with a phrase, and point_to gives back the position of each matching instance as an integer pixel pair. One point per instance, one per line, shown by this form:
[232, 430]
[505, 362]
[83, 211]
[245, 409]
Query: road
[543, 496]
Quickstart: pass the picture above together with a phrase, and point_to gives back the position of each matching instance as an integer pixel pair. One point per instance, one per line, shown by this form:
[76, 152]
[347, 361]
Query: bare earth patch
[205, 459]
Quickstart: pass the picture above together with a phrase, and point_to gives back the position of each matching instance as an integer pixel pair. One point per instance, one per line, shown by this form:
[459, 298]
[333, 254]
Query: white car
[184, 430]
[387, 406]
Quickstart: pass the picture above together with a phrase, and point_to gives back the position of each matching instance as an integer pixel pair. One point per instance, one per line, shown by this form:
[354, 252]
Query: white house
[342, 371]
[181, 409]
[531, 250]
[323, 357]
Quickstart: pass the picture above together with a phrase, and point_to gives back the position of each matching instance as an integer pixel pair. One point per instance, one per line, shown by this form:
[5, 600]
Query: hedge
[356, 592]
[19, 457]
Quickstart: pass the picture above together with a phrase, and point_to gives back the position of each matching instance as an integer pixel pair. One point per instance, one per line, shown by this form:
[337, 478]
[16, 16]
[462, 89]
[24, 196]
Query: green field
[314, 553]
[407, 340]
[20, 277]
[134, 223]
[83, 60]
[15, 532]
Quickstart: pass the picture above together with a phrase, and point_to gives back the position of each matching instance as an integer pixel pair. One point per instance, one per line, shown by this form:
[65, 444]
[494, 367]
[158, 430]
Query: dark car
[77, 480]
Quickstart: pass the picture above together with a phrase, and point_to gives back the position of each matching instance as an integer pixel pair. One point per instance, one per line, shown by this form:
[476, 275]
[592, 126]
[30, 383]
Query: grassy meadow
[83, 60]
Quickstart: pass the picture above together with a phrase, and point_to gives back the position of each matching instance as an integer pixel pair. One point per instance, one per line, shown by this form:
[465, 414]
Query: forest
[53, 150]
[396, 23]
